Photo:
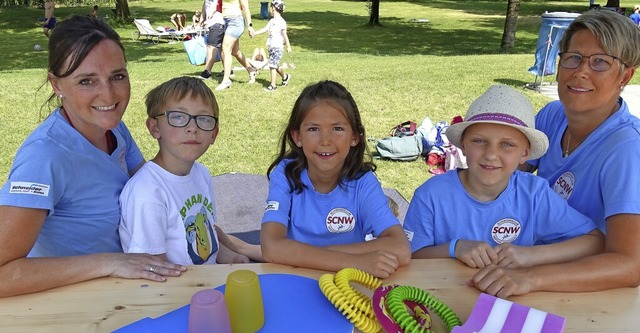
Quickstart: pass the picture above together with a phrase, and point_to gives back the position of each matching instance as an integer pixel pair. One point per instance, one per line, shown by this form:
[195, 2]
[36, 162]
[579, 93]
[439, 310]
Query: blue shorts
[50, 24]
[234, 26]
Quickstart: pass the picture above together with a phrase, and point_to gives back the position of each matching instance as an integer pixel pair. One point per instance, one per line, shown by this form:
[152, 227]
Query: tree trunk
[510, 25]
[374, 19]
[122, 9]
[613, 3]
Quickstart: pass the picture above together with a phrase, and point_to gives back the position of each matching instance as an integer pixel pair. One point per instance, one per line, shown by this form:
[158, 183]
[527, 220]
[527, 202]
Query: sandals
[223, 85]
[286, 79]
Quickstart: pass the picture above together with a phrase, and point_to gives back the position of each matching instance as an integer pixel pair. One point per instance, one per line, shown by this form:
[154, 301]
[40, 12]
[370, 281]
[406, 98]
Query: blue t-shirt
[600, 178]
[635, 17]
[57, 169]
[345, 215]
[526, 213]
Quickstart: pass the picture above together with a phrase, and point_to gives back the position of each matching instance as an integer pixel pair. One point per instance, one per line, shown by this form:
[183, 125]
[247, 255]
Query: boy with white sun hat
[491, 213]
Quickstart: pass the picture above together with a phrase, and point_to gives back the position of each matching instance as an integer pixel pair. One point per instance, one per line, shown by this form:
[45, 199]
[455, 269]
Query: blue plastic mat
[291, 304]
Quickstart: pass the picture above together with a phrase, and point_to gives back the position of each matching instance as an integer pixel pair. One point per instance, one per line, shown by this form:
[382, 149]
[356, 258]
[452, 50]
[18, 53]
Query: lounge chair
[146, 30]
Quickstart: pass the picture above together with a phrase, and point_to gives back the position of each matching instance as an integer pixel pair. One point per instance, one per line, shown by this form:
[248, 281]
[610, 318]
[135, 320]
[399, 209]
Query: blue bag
[196, 50]
[400, 148]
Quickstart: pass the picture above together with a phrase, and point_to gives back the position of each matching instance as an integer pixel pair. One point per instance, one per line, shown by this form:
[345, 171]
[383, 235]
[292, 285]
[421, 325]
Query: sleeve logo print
[29, 188]
[272, 205]
[409, 234]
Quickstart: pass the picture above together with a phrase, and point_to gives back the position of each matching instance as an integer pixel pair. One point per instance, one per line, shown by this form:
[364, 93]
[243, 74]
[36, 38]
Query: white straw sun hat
[502, 105]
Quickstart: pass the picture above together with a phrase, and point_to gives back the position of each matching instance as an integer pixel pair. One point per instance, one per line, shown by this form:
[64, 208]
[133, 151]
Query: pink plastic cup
[208, 313]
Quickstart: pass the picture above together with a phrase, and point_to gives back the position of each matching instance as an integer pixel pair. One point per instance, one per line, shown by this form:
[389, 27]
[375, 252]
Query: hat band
[501, 117]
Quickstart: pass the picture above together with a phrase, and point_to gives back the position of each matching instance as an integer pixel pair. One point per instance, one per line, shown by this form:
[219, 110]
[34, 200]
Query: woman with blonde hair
[236, 15]
[592, 161]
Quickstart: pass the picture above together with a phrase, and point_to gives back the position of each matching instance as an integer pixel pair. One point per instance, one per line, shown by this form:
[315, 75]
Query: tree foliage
[121, 11]
[40, 3]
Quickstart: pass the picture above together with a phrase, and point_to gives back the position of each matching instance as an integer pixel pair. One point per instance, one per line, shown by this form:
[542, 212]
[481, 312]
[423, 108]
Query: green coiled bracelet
[395, 304]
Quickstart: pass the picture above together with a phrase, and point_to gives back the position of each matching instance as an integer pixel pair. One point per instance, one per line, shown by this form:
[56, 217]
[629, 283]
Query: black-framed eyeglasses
[599, 62]
[182, 119]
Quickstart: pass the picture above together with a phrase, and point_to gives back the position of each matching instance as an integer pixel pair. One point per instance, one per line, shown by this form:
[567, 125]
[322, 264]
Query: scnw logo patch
[340, 220]
[564, 185]
[505, 231]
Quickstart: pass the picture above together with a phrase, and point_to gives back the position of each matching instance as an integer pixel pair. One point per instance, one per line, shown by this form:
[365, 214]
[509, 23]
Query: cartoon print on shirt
[201, 242]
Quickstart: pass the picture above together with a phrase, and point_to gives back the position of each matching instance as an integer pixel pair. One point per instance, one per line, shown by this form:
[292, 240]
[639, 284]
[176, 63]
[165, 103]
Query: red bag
[406, 128]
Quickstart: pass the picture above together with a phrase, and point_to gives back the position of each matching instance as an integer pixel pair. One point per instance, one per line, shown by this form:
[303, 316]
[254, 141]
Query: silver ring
[152, 269]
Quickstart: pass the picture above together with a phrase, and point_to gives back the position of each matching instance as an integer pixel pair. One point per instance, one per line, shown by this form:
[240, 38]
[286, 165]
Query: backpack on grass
[400, 148]
[403, 144]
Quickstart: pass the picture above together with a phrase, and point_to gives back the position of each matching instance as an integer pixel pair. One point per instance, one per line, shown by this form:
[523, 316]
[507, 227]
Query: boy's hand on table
[512, 256]
[501, 282]
[475, 254]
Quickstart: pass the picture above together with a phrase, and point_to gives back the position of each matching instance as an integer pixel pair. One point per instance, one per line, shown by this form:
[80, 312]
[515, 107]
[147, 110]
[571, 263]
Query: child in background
[94, 12]
[168, 206]
[195, 19]
[49, 18]
[178, 20]
[277, 38]
[491, 213]
[323, 195]
[635, 17]
[259, 59]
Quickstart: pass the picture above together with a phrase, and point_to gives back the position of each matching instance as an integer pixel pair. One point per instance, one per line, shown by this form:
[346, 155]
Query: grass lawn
[403, 70]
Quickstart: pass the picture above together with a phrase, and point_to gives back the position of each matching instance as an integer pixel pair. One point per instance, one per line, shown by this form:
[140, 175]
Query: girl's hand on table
[380, 264]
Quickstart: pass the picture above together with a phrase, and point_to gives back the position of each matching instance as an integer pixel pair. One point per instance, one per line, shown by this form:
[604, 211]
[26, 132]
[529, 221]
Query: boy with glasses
[168, 207]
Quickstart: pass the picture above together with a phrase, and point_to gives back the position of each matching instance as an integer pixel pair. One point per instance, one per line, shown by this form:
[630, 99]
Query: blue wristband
[452, 247]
